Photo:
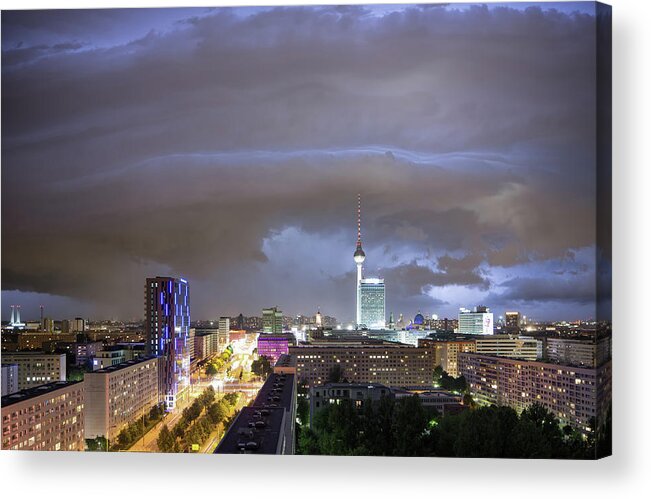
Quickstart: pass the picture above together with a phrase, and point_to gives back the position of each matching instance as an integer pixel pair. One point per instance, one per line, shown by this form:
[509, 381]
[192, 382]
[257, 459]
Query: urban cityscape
[179, 278]
[275, 384]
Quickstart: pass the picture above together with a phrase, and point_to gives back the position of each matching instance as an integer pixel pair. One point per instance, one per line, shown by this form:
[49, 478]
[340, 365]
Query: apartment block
[391, 364]
[511, 346]
[573, 394]
[37, 368]
[446, 352]
[578, 352]
[120, 394]
[47, 417]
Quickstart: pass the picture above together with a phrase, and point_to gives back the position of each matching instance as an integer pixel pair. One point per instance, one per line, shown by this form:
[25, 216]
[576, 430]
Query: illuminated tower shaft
[359, 256]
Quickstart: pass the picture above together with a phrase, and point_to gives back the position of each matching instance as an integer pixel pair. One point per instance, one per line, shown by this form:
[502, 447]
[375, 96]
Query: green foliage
[261, 366]
[198, 421]
[136, 429]
[436, 375]
[404, 427]
[211, 369]
[447, 382]
[75, 373]
[98, 444]
[166, 441]
[303, 410]
[336, 374]
[232, 398]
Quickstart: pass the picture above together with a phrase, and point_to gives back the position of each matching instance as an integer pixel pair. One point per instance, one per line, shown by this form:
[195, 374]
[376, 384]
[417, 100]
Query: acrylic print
[370, 230]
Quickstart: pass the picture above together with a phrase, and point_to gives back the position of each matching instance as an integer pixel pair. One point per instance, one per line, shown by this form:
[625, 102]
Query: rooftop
[123, 365]
[31, 353]
[286, 360]
[37, 391]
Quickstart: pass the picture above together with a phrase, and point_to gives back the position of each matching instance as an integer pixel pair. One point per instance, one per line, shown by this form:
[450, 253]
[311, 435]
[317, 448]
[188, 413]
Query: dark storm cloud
[468, 132]
[543, 289]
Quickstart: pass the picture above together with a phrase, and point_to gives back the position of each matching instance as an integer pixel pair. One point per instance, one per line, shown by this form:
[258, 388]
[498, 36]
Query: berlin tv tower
[359, 256]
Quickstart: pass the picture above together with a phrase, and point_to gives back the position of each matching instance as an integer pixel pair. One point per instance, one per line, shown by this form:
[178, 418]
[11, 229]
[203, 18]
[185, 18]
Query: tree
[303, 410]
[436, 375]
[468, 401]
[98, 444]
[211, 370]
[166, 441]
[261, 366]
[409, 424]
[231, 398]
[335, 375]
[217, 412]
[451, 383]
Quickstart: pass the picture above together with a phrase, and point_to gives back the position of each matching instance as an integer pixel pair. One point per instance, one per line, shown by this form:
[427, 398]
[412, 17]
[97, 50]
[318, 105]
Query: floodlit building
[46, 417]
[167, 324]
[476, 321]
[372, 303]
[573, 394]
[120, 394]
[273, 346]
[272, 320]
[37, 368]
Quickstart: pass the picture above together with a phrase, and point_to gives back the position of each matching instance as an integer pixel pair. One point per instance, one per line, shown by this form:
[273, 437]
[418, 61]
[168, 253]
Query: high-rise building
[79, 325]
[476, 321]
[372, 303]
[272, 320]
[224, 325]
[512, 322]
[167, 324]
[370, 299]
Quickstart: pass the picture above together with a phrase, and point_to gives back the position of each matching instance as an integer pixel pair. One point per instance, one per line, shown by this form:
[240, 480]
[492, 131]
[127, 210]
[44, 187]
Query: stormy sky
[227, 146]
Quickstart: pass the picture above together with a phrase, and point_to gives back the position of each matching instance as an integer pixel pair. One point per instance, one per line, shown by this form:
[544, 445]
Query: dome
[419, 319]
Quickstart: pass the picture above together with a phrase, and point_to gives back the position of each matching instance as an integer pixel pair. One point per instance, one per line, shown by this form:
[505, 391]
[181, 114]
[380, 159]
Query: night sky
[227, 146]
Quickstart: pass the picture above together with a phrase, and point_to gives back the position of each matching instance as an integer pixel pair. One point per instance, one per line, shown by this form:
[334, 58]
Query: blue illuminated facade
[167, 325]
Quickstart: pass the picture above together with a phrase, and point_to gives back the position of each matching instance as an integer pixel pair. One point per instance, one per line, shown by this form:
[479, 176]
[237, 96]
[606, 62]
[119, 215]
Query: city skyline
[467, 176]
